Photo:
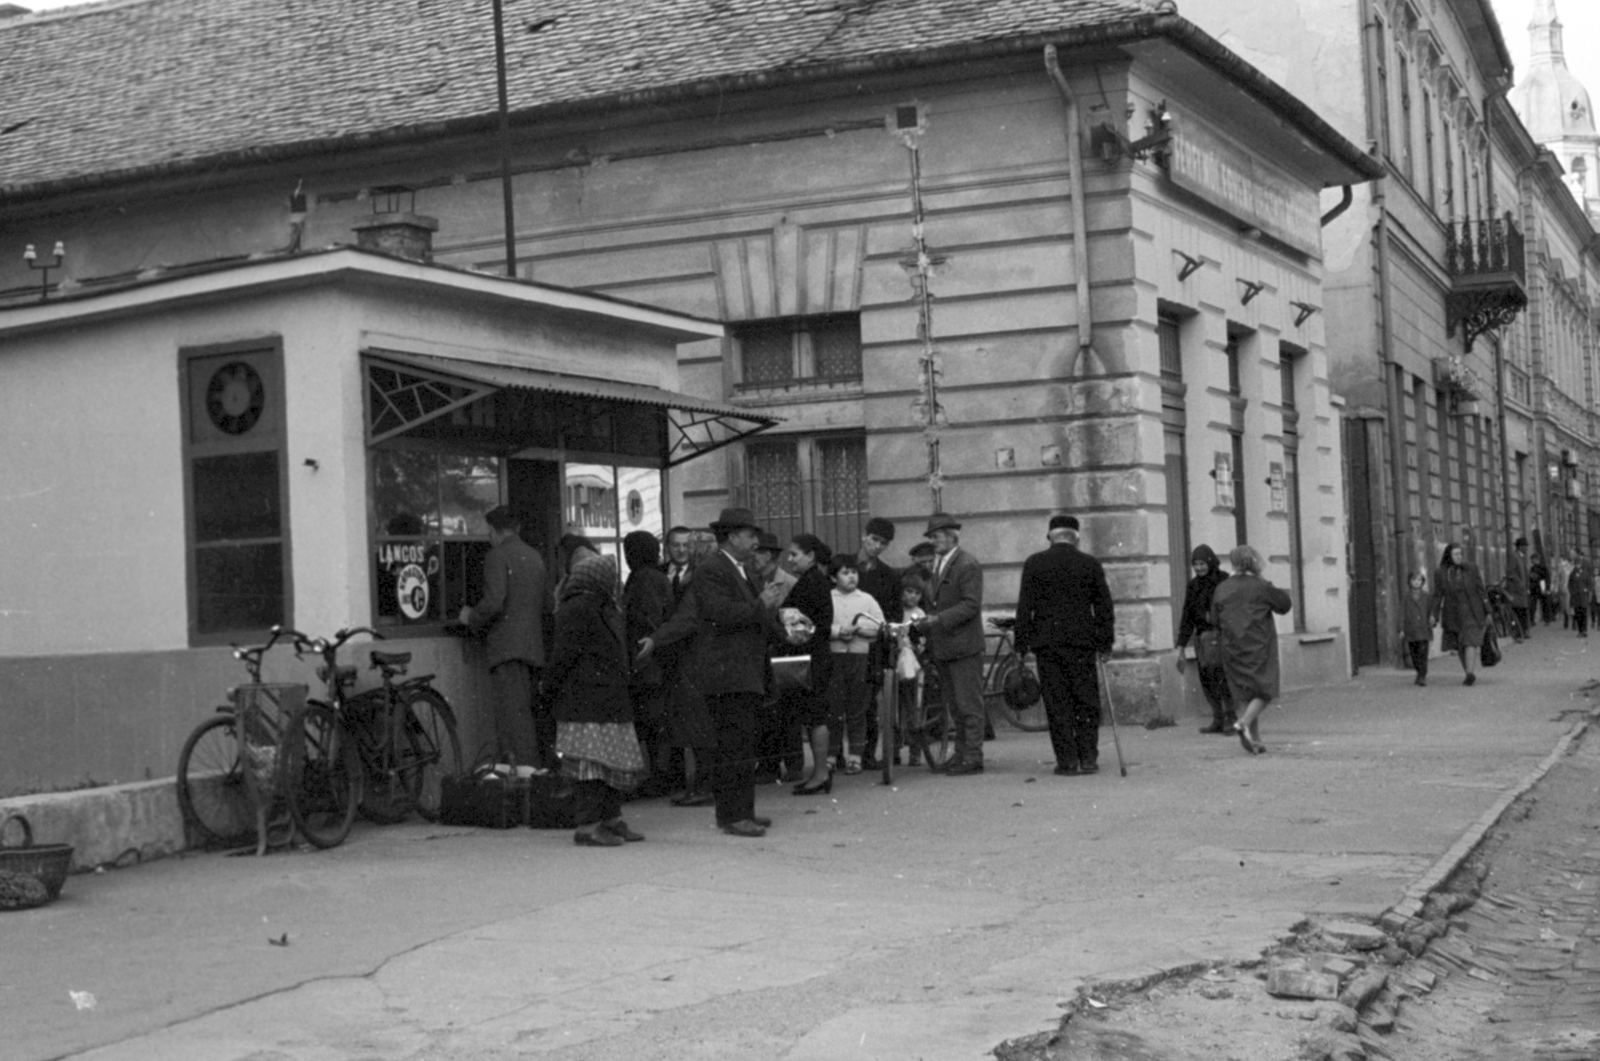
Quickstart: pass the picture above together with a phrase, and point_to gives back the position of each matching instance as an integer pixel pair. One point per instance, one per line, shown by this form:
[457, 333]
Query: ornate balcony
[1488, 277]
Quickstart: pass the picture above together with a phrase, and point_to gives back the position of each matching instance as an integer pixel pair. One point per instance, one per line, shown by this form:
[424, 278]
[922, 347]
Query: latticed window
[772, 477]
[844, 475]
[816, 485]
[780, 353]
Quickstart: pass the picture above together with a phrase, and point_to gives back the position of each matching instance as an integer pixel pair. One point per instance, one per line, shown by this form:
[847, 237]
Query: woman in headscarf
[1461, 608]
[1195, 623]
[647, 602]
[1242, 607]
[587, 679]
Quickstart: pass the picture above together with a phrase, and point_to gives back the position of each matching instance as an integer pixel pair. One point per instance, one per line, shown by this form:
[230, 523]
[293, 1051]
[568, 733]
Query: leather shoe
[764, 822]
[1067, 769]
[1088, 768]
[694, 799]
[746, 828]
[963, 769]
[1215, 727]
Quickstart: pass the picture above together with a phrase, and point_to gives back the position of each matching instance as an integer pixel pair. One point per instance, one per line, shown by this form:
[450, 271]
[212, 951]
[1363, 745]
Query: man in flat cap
[736, 621]
[954, 629]
[1065, 617]
[514, 615]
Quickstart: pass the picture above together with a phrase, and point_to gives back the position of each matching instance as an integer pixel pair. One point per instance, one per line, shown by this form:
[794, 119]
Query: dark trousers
[1071, 687]
[777, 737]
[523, 732]
[1214, 683]
[961, 684]
[1580, 618]
[1419, 656]
[733, 777]
[1522, 621]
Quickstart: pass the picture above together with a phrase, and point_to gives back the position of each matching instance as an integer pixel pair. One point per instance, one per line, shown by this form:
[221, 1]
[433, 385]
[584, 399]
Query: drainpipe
[1345, 200]
[1080, 222]
[1499, 346]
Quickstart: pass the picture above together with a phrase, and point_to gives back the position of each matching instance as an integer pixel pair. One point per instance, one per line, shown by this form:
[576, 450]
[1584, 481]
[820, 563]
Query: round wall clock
[234, 398]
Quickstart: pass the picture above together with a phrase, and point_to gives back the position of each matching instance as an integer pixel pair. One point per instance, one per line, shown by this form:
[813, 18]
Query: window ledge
[1316, 639]
[810, 390]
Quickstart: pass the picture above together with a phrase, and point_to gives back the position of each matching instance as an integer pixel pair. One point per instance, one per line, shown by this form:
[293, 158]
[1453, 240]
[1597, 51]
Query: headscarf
[1245, 560]
[641, 549]
[594, 573]
[1203, 554]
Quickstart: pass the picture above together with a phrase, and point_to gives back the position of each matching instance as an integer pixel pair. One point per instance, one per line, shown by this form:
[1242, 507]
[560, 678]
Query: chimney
[395, 228]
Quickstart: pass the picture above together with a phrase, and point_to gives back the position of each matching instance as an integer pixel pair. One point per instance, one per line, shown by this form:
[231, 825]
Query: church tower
[1555, 107]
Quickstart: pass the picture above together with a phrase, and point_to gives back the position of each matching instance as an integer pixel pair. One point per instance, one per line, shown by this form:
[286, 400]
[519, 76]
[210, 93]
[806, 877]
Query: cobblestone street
[1519, 971]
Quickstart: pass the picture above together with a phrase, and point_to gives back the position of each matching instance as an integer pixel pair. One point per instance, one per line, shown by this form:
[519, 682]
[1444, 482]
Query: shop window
[236, 500]
[799, 350]
[807, 484]
[1174, 424]
[428, 510]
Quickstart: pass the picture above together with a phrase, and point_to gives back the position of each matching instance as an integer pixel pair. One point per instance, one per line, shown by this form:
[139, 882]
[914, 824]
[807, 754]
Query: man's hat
[769, 543]
[881, 527]
[922, 549]
[733, 519]
[1064, 523]
[502, 518]
[1520, 542]
[941, 521]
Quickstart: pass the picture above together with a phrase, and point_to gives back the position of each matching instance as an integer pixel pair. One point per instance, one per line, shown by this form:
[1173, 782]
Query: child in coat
[1417, 626]
[856, 622]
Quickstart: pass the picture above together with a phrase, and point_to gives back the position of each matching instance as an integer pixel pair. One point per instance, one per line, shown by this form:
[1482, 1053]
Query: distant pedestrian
[1461, 609]
[1540, 597]
[1417, 625]
[1563, 573]
[1242, 610]
[586, 685]
[1580, 585]
[954, 629]
[1195, 623]
[1065, 616]
[1518, 575]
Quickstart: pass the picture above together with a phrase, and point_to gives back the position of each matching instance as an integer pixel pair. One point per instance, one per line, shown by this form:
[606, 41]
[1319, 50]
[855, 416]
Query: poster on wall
[407, 579]
[1278, 485]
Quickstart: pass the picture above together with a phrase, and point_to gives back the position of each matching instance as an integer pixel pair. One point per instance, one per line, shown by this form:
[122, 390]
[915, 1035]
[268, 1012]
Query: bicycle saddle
[390, 659]
[1003, 623]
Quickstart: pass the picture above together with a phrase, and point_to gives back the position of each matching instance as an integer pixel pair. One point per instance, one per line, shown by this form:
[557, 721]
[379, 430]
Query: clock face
[234, 398]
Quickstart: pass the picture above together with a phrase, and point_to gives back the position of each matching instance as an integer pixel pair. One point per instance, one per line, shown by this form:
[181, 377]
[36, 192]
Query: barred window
[807, 484]
[781, 353]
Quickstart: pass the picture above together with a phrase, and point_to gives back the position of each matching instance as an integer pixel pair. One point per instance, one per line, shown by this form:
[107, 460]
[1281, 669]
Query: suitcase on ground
[485, 799]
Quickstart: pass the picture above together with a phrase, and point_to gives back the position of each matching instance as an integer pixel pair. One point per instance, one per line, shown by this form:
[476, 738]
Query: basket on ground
[46, 863]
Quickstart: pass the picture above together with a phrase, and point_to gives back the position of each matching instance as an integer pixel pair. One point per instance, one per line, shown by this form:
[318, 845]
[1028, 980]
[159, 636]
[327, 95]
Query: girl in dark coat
[1194, 622]
[812, 596]
[587, 680]
[1241, 609]
[1417, 625]
[1461, 608]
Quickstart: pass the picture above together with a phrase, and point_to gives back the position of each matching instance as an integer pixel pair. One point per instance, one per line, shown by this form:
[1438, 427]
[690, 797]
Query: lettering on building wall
[1244, 186]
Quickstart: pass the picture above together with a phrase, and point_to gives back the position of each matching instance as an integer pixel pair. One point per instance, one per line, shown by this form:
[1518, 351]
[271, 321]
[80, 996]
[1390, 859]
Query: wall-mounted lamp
[58, 255]
[1112, 145]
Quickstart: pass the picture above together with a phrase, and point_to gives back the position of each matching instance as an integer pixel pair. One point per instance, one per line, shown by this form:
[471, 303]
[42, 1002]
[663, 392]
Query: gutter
[1178, 31]
[1080, 219]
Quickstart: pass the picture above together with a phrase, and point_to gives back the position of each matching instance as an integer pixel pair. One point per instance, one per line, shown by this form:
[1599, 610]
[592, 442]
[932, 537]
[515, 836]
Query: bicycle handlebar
[324, 647]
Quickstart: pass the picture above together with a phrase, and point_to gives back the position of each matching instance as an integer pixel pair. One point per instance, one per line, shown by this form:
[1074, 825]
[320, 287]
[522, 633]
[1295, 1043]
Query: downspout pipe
[1345, 200]
[1080, 219]
[1499, 347]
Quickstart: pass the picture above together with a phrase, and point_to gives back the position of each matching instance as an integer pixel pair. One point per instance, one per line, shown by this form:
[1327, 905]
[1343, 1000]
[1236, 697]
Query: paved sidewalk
[928, 920]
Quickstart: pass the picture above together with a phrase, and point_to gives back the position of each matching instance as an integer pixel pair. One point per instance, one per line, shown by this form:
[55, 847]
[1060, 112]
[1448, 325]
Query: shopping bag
[1491, 647]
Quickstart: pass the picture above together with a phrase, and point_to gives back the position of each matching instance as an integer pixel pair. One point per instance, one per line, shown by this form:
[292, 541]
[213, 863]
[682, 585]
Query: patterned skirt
[601, 751]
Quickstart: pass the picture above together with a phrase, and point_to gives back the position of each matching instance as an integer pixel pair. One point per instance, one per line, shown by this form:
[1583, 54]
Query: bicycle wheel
[211, 786]
[1030, 719]
[432, 746]
[932, 724]
[324, 776]
[391, 781]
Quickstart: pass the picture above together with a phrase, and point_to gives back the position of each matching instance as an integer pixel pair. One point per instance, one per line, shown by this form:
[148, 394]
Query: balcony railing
[1488, 271]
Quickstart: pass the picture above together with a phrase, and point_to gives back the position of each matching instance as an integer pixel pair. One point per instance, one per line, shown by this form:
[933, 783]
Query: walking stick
[1100, 666]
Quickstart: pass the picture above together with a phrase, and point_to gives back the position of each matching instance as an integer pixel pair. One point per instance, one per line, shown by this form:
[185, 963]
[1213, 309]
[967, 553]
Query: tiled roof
[91, 93]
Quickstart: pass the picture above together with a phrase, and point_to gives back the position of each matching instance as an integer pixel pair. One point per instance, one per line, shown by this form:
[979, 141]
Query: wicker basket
[47, 863]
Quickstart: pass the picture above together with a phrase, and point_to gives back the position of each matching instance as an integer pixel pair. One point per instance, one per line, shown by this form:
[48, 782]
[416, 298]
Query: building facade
[1052, 258]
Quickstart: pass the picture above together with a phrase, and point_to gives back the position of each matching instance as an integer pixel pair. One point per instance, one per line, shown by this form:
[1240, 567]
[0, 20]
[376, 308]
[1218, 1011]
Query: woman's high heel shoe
[818, 790]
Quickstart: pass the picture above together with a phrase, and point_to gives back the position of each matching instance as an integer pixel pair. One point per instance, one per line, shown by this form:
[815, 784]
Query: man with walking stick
[1065, 617]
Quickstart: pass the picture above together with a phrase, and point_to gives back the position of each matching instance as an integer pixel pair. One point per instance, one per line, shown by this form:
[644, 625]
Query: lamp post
[58, 255]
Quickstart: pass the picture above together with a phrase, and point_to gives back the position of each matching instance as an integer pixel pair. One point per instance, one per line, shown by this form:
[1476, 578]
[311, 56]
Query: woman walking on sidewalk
[1241, 609]
[1461, 608]
[1208, 574]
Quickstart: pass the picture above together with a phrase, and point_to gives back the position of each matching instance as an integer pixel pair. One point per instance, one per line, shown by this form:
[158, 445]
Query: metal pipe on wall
[1080, 214]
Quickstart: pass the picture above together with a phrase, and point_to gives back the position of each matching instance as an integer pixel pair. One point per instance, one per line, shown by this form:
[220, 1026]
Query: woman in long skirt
[1242, 608]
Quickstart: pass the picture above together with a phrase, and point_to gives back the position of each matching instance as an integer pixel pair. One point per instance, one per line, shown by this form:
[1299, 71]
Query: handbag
[1207, 649]
[791, 674]
[1490, 653]
[485, 799]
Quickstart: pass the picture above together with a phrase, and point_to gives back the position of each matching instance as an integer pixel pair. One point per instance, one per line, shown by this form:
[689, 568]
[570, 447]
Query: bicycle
[921, 722]
[214, 793]
[1506, 622]
[1002, 662]
[402, 736]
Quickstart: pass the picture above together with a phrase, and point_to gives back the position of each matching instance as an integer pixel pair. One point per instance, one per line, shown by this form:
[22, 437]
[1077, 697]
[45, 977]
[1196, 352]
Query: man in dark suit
[737, 621]
[679, 565]
[514, 614]
[954, 629]
[1065, 617]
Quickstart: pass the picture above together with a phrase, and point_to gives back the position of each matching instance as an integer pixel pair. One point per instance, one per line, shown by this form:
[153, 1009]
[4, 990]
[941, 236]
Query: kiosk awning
[405, 390]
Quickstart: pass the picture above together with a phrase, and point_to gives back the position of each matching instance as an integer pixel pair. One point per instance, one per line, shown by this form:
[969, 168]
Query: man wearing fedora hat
[737, 621]
[954, 631]
[1065, 617]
